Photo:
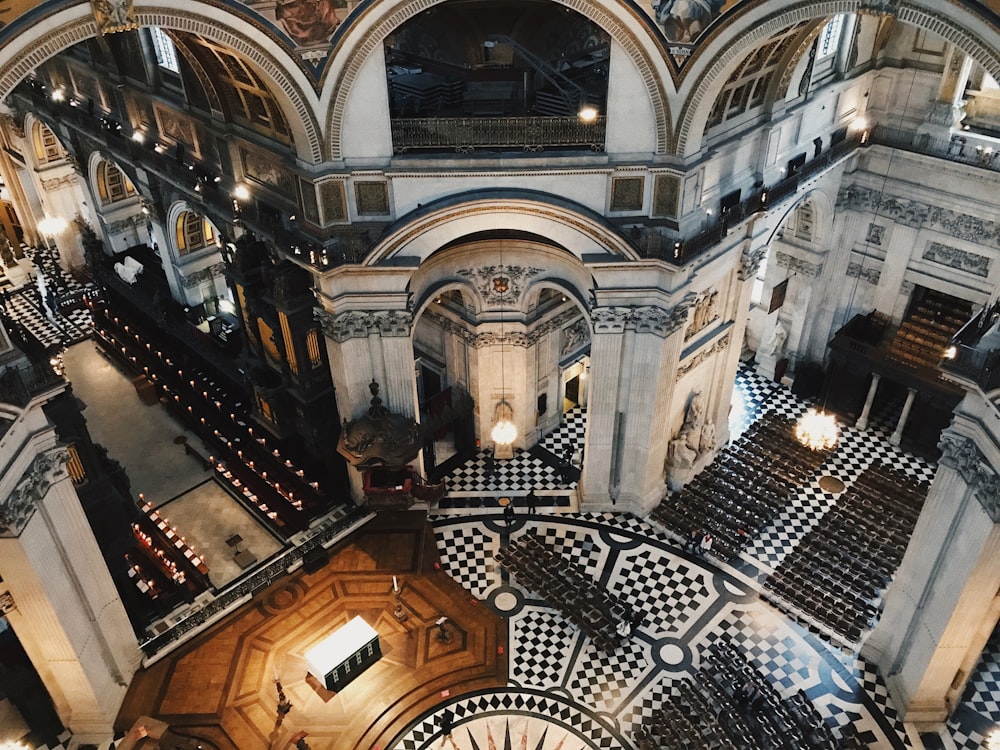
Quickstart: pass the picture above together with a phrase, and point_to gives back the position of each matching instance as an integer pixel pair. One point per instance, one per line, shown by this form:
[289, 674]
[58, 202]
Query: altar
[344, 654]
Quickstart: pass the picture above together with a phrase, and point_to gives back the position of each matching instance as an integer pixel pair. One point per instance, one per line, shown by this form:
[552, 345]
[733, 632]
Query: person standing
[532, 501]
[446, 721]
[508, 514]
[705, 546]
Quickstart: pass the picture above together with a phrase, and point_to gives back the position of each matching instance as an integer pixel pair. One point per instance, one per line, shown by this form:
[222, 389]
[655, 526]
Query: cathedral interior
[397, 374]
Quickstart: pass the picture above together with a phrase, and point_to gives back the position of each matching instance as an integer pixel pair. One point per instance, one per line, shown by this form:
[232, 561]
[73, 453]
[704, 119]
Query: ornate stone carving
[574, 336]
[875, 234]
[642, 319]
[867, 273]
[516, 338]
[19, 506]
[362, 323]
[750, 260]
[797, 265]
[499, 285]
[705, 313]
[964, 456]
[955, 257]
[692, 362]
[205, 274]
[920, 215]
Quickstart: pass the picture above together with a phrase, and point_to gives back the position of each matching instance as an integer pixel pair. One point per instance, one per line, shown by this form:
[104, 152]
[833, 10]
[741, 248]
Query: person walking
[446, 721]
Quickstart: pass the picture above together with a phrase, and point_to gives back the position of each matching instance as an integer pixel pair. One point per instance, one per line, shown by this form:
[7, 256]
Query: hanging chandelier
[504, 432]
[817, 430]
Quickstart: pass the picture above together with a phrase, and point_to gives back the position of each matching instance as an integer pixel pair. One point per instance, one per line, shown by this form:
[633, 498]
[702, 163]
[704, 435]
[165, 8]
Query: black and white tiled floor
[563, 689]
[70, 323]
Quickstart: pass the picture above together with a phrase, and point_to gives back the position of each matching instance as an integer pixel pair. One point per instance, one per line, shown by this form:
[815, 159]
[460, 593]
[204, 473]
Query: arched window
[112, 184]
[829, 37]
[47, 146]
[194, 233]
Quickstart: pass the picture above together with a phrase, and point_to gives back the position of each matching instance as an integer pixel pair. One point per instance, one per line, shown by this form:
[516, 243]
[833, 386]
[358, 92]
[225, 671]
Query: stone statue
[707, 441]
[775, 343]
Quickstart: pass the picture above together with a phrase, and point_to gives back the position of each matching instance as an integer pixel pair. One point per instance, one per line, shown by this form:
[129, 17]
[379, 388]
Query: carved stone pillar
[947, 113]
[365, 345]
[943, 604]
[633, 354]
[897, 435]
[61, 602]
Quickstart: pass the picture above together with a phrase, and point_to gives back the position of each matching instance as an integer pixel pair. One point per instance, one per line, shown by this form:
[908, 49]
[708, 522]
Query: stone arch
[175, 215]
[33, 129]
[627, 25]
[575, 229]
[97, 174]
[38, 41]
[694, 113]
[821, 201]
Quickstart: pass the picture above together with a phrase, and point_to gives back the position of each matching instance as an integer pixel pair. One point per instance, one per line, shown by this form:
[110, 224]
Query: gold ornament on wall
[114, 15]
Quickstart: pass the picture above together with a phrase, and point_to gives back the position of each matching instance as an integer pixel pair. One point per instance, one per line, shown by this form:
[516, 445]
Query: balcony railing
[466, 134]
[18, 385]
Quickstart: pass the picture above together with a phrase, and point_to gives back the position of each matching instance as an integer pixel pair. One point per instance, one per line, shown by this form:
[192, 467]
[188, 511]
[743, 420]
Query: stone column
[943, 605]
[63, 604]
[946, 114]
[862, 422]
[370, 345]
[633, 357]
[897, 434]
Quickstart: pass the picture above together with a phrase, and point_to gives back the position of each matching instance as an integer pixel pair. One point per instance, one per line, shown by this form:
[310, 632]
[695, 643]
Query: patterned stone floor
[562, 689]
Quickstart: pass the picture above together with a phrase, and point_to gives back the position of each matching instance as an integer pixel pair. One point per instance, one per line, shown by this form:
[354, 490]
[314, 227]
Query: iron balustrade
[466, 134]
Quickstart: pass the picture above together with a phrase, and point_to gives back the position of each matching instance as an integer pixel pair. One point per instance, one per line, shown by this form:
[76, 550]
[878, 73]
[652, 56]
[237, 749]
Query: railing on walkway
[236, 593]
[466, 134]
[18, 385]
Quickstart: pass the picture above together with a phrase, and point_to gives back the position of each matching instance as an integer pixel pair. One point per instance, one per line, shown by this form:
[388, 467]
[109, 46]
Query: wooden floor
[220, 692]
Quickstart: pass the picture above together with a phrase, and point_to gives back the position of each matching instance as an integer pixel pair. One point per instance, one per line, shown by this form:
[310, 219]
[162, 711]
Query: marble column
[862, 423]
[66, 611]
[897, 434]
[943, 604]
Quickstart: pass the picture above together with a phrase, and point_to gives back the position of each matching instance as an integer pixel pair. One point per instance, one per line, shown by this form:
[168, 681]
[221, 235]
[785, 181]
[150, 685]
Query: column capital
[964, 456]
[642, 318]
[19, 506]
[363, 323]
[750, 260]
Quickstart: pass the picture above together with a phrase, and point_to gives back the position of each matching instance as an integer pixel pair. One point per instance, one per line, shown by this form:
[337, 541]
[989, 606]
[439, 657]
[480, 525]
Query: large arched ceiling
[314, 61]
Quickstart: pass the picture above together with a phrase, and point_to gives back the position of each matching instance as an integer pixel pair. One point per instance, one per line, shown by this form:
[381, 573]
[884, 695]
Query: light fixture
[588, 113]
[951, 352]
[504, 433]
[241, 192]
[58, 95]
[817, 430]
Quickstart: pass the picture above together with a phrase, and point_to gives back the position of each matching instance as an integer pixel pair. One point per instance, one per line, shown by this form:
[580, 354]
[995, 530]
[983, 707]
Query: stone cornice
[964, 456]
[355, 324]
[494, 338]
[642, 318]
[19, 506]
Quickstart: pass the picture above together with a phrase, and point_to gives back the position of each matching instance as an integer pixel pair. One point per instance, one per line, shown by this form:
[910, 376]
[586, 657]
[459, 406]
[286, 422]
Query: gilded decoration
[177, 128]
[263, 168]
[499, 285]
[964, 456]
[114, 15]
[19, 506]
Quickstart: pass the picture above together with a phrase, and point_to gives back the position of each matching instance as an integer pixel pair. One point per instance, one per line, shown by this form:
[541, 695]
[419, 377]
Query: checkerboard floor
[527, 470]
[687, 606]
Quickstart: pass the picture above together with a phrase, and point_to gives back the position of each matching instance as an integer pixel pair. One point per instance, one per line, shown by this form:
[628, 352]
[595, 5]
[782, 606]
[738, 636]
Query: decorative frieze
[509, 338]
[205, 274]
[499, 285]
[955, 257]
[797, 265]
[19, 506]
[865, 273]
[363, 323]
[642, 318]
[720, 345]
[963, 455]
[704, 314]
[919, 215]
